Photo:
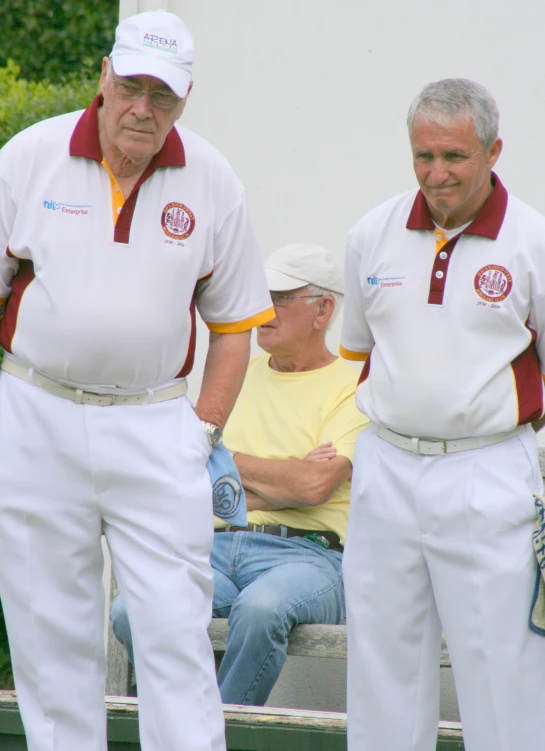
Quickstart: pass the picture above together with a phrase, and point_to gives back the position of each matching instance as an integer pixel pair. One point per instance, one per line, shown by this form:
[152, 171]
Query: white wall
[308, 98]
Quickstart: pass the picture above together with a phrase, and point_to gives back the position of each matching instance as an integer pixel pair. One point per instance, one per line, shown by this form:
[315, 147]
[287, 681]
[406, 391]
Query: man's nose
[142, 106]
[438, 173]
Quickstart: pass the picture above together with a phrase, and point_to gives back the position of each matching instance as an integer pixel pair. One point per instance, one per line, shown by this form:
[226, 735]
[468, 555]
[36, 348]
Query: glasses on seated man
[282, 301]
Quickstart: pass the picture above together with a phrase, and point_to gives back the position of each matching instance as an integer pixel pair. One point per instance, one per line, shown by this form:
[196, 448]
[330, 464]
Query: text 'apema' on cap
[155, 43]
[299, 264]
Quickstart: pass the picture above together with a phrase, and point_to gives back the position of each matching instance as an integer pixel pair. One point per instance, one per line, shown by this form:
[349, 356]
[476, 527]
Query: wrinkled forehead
[148, 83]
[452, 133]
[144, 81]
[288, 292]
[445, 120]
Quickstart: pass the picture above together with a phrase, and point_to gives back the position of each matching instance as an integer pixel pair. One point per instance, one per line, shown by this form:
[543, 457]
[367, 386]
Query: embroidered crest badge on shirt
[177, 221]
[226, 496]
[493, 283]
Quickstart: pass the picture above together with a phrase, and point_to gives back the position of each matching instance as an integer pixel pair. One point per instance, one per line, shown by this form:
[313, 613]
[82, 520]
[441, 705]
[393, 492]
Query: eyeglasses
[282, 301]
[160, 99]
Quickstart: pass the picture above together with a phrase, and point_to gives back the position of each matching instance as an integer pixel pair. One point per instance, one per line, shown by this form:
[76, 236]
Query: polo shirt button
[116, 188]
[442, 255]
[439, 274]
[119, 209]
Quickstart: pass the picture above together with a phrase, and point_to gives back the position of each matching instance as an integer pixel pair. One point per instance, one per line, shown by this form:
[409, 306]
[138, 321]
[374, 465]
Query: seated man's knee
[259, 609]
[120, 620]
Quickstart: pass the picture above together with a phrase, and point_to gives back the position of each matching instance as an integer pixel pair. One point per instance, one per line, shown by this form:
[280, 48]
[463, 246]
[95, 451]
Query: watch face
[216, 435]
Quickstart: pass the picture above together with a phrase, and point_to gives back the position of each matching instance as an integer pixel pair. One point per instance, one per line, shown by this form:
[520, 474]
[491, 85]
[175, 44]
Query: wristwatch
[215, 433]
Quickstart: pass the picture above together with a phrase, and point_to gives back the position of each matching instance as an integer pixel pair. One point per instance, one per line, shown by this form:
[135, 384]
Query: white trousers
[139, 472]
[443, 540]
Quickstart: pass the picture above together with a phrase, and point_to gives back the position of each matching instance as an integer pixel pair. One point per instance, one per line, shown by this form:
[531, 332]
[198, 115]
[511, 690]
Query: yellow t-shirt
[286, 415]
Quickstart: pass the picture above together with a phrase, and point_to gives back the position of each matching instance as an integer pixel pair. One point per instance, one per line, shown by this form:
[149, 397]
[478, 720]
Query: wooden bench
[258, 728]
[314, 640]
[247, 728]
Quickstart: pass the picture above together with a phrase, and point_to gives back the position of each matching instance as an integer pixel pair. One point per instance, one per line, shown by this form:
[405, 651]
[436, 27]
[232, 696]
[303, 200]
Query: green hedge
[6, 680]
[23, 103]
[58, 48]
[55, 39]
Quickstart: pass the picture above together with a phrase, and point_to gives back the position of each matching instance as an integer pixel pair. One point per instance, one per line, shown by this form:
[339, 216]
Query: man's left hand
[322, 453]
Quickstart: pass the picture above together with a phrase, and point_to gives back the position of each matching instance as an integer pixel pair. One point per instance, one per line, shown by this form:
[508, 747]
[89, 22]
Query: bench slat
[247, 728]
[306, 640]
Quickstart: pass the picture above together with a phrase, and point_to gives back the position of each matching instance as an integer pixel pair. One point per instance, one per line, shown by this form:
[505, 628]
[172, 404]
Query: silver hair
[458, 98]
[312, 289]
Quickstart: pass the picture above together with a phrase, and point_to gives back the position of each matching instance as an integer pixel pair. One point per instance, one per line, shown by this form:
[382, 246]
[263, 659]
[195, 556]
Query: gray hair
[312, 289]
[458, 98]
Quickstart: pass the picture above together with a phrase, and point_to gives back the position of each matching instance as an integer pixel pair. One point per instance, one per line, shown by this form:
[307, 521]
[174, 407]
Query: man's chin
[264, 337]
[441, 205]
[138, 148]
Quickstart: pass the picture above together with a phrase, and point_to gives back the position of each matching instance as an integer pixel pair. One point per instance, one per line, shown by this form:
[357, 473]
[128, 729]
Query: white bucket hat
[297, 265]
[155, 43]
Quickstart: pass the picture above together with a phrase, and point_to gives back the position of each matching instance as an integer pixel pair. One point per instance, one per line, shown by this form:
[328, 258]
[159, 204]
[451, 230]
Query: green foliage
[23, 103]
[54, 39]
[6, 680]
[57, 47]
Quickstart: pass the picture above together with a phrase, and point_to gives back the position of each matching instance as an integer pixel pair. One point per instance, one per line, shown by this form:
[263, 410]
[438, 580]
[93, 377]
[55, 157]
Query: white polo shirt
[454, 340]
[91, 302]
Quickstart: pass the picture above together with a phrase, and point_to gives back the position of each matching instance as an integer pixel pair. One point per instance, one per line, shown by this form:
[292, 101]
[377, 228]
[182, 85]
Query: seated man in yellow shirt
[292, 432]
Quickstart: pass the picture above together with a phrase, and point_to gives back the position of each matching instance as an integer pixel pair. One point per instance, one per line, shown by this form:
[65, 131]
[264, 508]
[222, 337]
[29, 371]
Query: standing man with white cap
[293, 432]
[116, 224]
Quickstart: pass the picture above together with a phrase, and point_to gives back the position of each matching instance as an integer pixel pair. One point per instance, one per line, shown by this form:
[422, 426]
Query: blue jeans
[264, 585]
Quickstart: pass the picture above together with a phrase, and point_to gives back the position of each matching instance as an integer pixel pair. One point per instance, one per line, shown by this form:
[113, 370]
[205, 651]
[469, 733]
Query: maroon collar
[85, 141]
[487, 223]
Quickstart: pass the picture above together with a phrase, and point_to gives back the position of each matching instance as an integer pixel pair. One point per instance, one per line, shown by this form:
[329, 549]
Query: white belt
[79, 396]
[437, 447]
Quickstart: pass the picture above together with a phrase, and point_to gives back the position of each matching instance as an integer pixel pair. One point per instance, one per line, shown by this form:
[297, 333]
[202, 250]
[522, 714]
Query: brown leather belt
[280, 530]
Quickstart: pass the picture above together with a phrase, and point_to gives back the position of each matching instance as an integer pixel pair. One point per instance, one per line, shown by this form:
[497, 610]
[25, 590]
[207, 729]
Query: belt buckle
[432, 447]
[106, 400]
[441, 447]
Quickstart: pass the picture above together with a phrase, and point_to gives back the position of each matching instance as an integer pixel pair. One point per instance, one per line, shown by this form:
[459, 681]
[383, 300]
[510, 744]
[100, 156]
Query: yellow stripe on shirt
[440, 240]
[244, 325]
[118, 199]
[347, 354]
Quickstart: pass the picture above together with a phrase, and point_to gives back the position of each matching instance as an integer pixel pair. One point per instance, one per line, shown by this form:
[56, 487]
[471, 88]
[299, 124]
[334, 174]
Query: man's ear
[325, 311]
[104, 73]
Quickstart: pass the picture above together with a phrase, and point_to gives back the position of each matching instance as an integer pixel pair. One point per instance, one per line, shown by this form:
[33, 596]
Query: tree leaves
[51, 40]
[23, 103]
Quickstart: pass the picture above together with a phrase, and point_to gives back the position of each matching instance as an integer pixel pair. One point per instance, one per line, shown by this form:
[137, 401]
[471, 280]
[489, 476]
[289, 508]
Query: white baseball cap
[297, 265]
[155, 43]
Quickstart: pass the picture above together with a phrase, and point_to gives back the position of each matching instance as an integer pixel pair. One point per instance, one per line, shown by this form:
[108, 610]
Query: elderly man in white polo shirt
[115, 224]
[445, 301]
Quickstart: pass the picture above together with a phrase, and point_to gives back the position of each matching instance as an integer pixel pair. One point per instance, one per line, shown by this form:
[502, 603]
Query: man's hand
[293, 483]
[322, 453]
[254, 502]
